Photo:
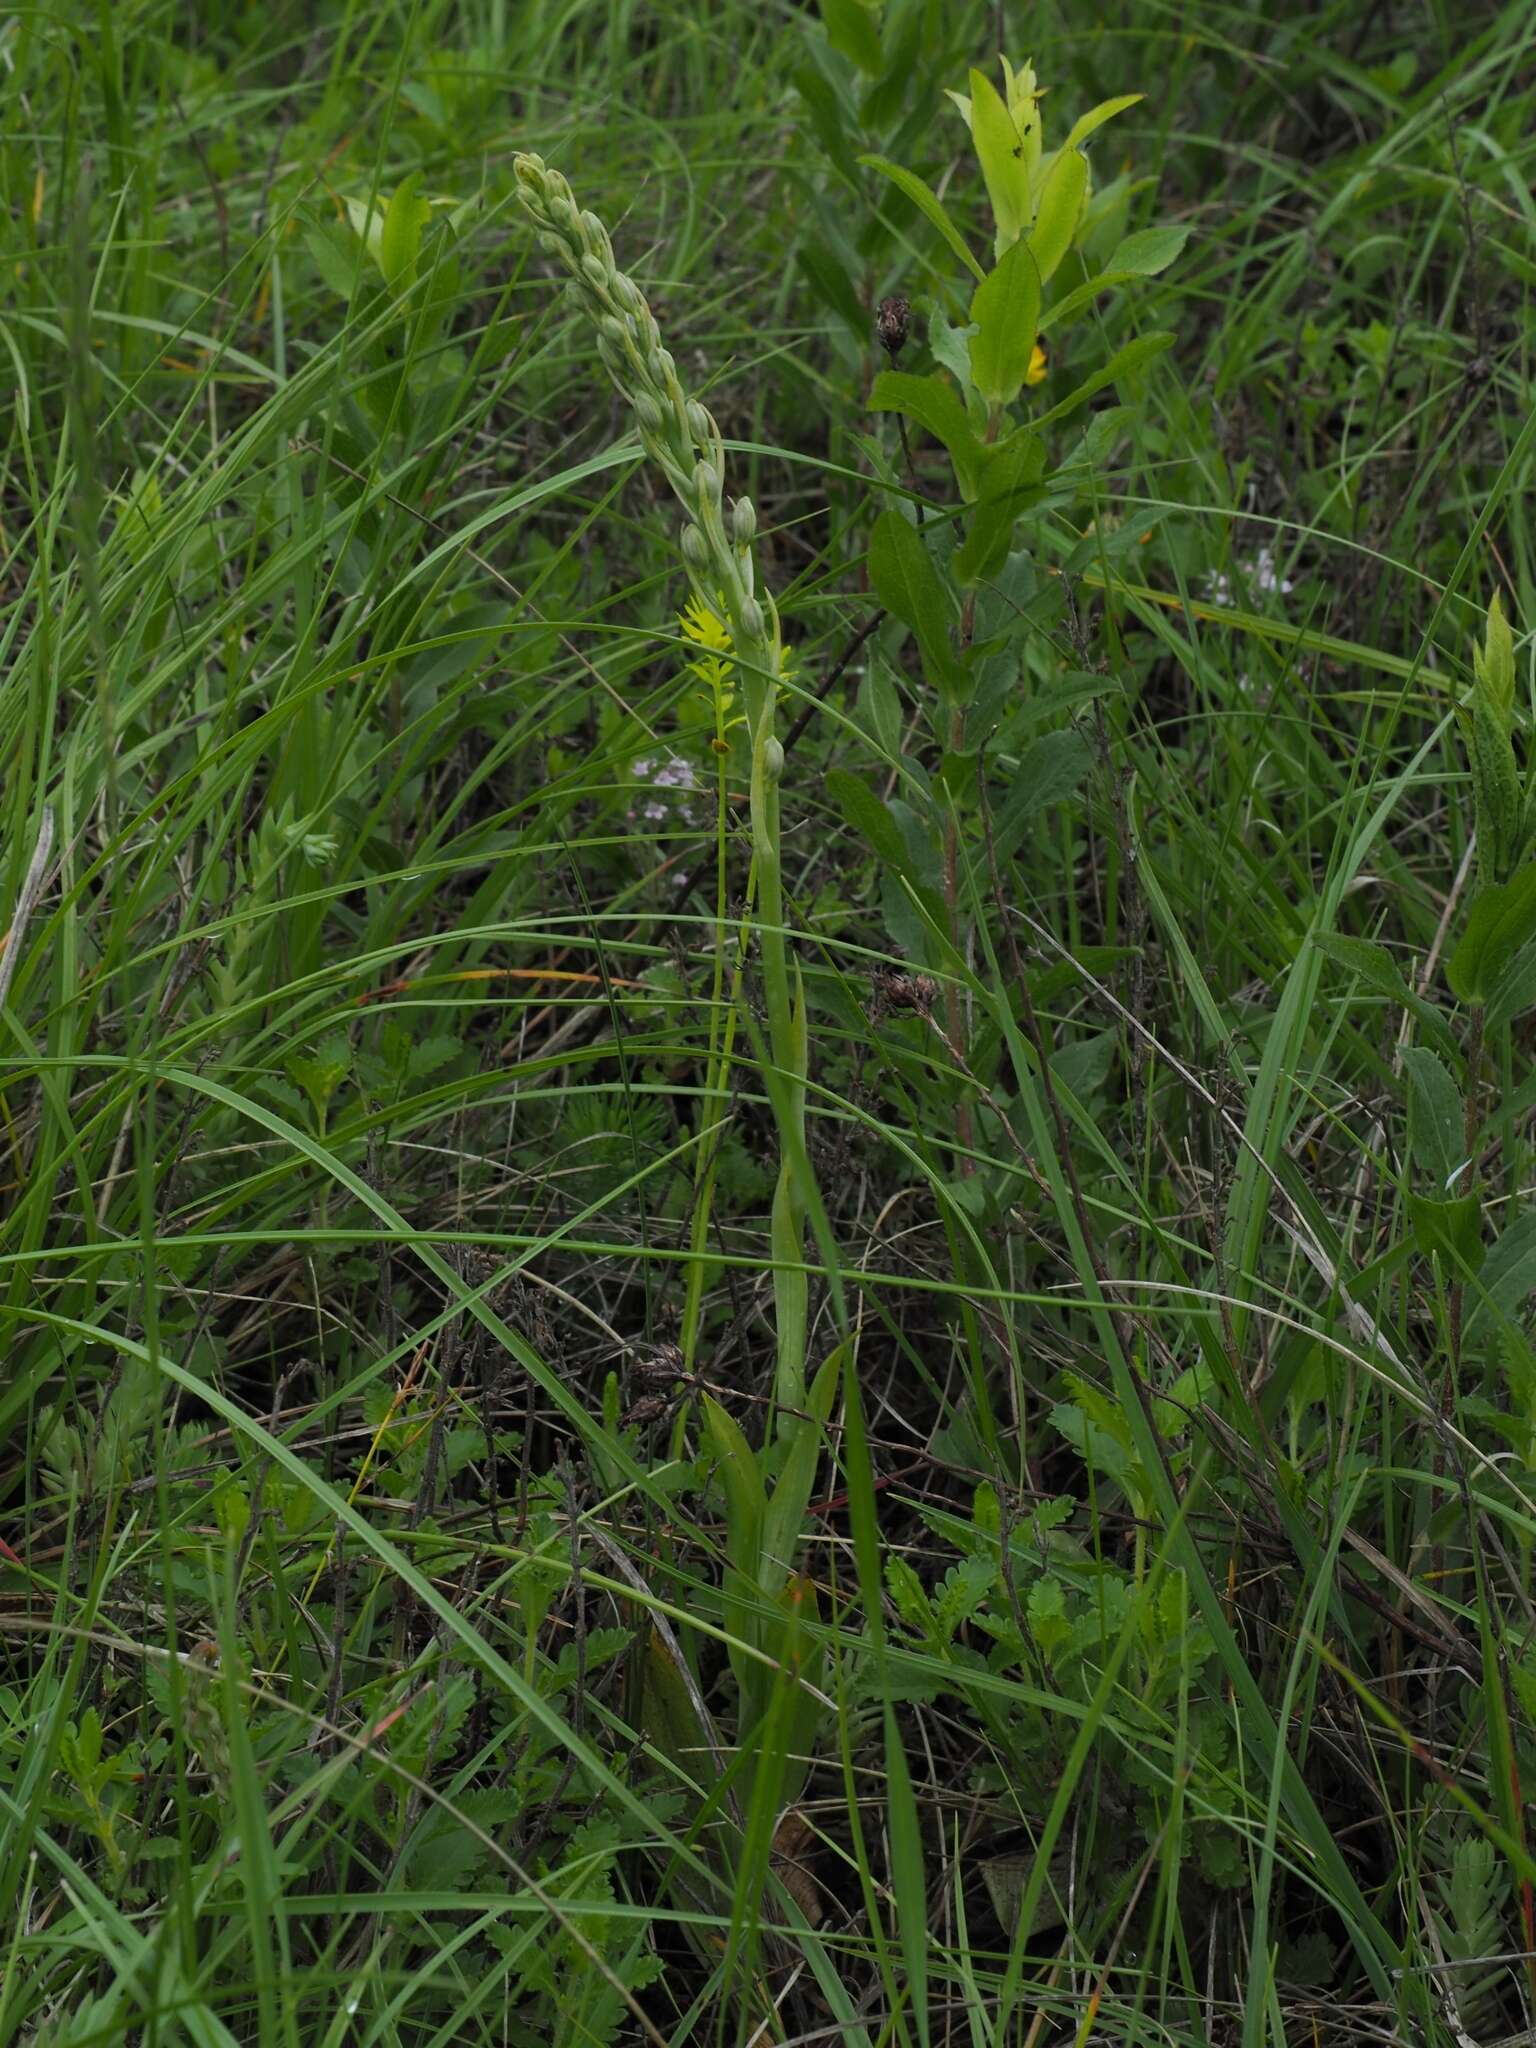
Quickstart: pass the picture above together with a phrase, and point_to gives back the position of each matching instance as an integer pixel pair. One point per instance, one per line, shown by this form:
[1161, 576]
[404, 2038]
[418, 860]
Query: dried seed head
[893, 323]
[896, 989]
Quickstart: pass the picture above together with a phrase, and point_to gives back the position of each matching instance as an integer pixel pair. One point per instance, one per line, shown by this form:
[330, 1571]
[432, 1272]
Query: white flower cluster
[1262, 575]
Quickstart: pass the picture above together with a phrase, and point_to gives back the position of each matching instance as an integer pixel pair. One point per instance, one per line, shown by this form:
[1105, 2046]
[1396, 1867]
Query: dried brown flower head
[893, 323]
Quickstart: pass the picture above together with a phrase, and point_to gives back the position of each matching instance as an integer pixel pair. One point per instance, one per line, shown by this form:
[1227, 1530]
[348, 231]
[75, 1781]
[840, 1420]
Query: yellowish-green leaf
[1060, 209]
[400, 238]
[1006, 313]
[1496, 670]
[1000, 151]
[1106, 110]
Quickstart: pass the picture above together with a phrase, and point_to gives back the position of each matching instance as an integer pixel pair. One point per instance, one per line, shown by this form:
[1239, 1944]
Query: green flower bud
[700, 425]
[743, 522]
[695, 548]
[773, 760]
[706, 481]
[753, 625]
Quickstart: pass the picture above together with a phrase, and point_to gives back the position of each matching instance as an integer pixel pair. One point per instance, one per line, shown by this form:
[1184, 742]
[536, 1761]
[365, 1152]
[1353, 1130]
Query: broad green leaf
[926, 203]
[1436, 1118]
[369, 224]
[1125, 362]
[853, 29]
[667, 1713]
[904, 579]
[1508, 1279]
[1060, 208]
[1370, 961]
[335, 254]
[1049, 770]
[1000, 152]
[1149, 251]
[1005, 309]
[1095, 117]
[868, 816]
[935, 405]
[400, 238]
[1009, 483]
[1453, 1229]
[1501, 920]
[1374, 966]
[1514, 992]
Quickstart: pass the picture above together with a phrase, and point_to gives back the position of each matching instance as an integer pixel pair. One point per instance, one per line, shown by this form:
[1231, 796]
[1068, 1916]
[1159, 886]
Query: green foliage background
[422, 1616]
